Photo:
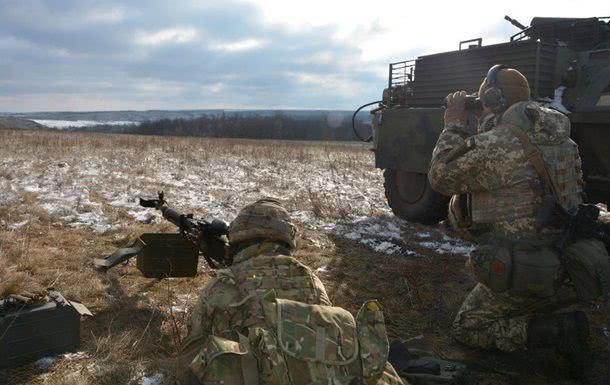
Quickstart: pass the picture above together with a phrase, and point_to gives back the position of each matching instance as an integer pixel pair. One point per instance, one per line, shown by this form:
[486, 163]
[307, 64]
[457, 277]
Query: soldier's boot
[568, 333]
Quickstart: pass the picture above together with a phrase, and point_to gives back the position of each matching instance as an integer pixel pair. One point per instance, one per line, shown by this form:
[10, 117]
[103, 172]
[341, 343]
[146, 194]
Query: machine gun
[209, 237]
[581, 224]
[515, 22]
[174, 255]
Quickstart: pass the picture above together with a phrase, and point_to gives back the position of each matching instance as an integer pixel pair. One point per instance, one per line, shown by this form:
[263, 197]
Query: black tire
[411, 197]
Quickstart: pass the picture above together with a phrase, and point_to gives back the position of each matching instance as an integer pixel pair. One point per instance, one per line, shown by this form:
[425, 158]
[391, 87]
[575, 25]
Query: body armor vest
[289, 279]
[519, 203]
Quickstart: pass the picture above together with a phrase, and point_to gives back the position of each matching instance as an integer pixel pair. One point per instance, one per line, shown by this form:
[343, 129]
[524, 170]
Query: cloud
[169, 35]
[109, 16]
[238, 46]
[87, 54]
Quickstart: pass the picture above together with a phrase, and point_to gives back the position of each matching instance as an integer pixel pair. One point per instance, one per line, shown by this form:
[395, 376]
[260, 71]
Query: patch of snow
[179, 309]
[381, 234]
[102, 228]
[156, 379]
[57, 211]
[322, 269]
[354, 236]
[142, 216]
[17, 226]
[449, 247]
[4, 198]
[45, 363]
[63, 124]
[75, 356]
[386, 247]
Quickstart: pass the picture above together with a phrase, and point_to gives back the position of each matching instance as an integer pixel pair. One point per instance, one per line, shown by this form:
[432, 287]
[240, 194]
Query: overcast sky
[151, 54]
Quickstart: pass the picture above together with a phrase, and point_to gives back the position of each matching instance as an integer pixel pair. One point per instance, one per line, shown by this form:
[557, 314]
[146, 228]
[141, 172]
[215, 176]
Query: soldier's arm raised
[462, 163]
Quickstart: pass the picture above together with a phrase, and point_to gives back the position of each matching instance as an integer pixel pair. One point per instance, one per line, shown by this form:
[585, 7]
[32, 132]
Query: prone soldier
[267, 318]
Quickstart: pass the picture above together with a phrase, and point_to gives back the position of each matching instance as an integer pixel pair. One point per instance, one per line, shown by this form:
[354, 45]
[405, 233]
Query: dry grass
[138, 323]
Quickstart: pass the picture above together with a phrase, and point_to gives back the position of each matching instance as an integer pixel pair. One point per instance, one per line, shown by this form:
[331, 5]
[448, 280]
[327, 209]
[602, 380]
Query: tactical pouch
[588, 266]
[536, 269]
[492, 265]
[373, 339]
[316, 333]
[219, 362]
[314, 342]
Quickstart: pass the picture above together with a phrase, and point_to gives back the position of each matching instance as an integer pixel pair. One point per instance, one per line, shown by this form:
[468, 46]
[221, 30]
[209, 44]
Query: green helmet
[264, 219]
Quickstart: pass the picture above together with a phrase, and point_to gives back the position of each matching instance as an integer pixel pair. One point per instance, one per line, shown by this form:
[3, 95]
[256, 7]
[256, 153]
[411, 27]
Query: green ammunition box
[167, 255]
[30, 332]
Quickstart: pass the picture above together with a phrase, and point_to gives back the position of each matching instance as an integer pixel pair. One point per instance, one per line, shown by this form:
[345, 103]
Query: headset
[492, 95]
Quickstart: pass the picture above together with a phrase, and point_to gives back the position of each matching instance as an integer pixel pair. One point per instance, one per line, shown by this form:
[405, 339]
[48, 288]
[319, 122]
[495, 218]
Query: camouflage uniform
[266, 286]
[505, 193]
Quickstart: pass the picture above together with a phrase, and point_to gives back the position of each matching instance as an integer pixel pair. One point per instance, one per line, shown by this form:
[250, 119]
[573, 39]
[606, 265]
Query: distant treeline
[325, 126]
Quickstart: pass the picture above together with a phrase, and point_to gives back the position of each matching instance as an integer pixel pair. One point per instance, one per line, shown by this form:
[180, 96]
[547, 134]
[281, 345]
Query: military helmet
[503, 87]
[265, 219]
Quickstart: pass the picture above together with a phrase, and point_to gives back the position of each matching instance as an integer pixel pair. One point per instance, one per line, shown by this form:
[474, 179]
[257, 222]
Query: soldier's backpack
[588, 266]
[301, 344]
[583, 252]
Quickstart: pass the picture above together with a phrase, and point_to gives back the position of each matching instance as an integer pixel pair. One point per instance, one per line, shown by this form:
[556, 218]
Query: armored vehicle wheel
[411, 197]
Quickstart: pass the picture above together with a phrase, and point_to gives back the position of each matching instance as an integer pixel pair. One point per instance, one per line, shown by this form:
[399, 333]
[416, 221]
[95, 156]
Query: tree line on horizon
[275, 126]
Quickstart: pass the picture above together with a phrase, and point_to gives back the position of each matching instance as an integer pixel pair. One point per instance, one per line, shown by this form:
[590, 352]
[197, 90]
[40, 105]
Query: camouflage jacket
[230, 303]
[255, 270]
[318, 343]
[492, 167]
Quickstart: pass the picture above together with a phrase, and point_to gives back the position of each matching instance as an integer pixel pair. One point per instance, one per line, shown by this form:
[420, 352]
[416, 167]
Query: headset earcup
[494, 99]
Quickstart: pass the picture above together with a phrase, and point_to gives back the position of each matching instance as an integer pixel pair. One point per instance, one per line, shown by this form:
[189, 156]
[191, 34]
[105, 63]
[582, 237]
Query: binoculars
[473, 103]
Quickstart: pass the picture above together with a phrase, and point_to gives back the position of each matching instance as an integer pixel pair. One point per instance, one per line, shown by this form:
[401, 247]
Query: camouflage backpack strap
[249, 367]
[119, 256]
[551, 201]
[534, 157]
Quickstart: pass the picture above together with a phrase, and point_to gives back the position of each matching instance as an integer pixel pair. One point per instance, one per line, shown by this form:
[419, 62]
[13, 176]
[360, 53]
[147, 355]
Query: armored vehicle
[567, 62]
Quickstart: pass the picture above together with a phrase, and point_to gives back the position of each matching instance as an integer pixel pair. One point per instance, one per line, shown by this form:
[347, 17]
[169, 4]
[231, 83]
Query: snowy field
[327, 187]
[66, 198]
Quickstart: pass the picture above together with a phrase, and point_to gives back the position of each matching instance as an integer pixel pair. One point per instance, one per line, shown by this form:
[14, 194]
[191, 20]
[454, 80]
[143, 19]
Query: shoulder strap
[119, 256]
[534, 157]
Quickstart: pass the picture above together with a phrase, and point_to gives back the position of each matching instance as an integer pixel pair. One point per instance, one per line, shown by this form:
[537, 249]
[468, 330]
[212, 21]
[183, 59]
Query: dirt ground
[67, 198]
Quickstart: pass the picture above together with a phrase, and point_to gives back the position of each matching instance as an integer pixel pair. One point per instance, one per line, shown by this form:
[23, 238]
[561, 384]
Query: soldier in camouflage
[267, 319]
[499, 198]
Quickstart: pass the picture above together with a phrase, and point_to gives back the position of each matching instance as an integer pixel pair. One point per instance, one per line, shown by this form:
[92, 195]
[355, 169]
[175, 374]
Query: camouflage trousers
[490, 320]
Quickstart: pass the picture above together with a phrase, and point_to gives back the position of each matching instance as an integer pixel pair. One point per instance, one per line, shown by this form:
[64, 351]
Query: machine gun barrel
[515, 22]
[210, 237]
[171, 215]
